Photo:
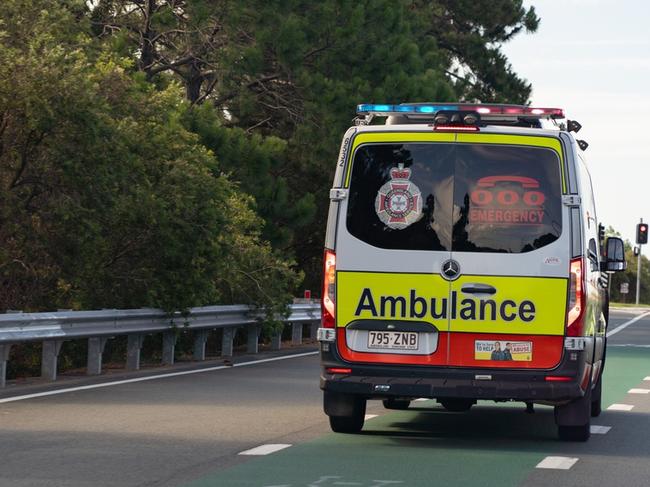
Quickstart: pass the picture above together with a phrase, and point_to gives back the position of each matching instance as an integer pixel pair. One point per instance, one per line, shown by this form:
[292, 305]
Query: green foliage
[116, 192]
[107, 200]
[285, 76]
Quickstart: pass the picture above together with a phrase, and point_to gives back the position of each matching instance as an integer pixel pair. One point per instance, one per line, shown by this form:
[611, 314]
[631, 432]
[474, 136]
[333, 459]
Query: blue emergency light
[514, 111]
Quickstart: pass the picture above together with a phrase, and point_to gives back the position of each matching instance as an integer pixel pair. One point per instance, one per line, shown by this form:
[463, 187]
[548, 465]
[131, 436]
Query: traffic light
[642, 233]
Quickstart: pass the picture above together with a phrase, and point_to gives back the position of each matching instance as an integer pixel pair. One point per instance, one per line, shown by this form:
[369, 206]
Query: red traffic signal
[642, 233]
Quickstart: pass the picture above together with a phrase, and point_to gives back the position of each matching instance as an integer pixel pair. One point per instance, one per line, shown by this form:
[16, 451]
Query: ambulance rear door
[393, 236]
[510, 245]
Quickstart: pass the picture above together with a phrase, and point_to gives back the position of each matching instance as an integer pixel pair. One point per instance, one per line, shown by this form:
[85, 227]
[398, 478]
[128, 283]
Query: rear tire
[352, 422]
[457, 405]
[574, 419]
[400, 404]
[597, 397]
[574, 433]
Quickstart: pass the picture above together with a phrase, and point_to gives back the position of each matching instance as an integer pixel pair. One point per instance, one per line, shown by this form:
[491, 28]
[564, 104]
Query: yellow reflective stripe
[351, 293]
[547, 295]
[387, 137]
[521, 305]
[527, 140]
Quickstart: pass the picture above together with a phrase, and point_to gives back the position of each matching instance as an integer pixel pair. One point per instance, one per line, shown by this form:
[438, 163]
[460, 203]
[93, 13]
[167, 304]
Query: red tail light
[328, 300]
[338, 370]
[576, 306]
[558, 378]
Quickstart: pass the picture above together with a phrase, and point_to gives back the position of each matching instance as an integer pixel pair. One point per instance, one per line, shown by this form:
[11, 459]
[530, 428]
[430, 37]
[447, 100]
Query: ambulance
[464, 261]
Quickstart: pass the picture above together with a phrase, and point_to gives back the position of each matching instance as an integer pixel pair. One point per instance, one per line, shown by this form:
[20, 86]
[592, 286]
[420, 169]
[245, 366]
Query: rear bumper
[380, 387]
[374, 381]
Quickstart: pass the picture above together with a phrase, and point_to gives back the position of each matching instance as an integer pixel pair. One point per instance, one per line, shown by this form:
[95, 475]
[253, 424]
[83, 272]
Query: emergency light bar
[483, 109]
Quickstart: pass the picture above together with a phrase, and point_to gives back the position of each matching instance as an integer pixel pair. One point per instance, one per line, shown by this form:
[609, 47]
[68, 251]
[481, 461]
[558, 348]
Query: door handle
[478, 289]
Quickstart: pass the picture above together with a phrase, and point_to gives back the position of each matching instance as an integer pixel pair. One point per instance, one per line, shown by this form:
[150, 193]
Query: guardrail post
[95, 350]
[169, 345]
[50, 358]
[296, 333]
[252, 344]
[133, 347]
[276, 340]
[4, 357]
[200, 338]
[227, 340]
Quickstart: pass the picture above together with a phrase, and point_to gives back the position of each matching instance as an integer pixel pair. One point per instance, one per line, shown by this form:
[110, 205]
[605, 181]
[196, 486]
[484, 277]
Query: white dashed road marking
[622, 326]
[638, 391]
[370, 416]
[151, 377]
[599, 430]
[265, 449]
[557, 463]
[620, 407]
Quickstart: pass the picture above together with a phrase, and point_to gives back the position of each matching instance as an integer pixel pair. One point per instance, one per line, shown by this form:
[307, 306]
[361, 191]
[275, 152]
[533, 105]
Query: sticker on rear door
[507, 200]
[503, 350]
[399, 202]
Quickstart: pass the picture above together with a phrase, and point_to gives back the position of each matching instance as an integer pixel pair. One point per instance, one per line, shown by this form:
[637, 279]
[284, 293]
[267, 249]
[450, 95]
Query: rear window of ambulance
[460, 197]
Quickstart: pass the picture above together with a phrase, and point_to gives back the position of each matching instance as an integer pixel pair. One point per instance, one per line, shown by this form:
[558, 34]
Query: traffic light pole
[638, 272]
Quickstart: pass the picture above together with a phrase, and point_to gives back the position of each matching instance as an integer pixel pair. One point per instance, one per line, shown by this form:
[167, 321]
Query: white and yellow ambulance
[464, 261]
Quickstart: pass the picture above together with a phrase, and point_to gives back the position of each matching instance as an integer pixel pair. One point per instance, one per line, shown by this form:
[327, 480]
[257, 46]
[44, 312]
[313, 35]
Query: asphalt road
[189, 430]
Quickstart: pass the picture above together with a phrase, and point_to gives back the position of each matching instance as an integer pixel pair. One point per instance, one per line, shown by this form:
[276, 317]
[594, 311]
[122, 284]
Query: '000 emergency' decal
[521, 305]
[507, 200]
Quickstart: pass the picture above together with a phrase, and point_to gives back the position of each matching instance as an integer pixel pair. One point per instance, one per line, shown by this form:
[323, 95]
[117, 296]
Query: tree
[470, 35]
[106, 199]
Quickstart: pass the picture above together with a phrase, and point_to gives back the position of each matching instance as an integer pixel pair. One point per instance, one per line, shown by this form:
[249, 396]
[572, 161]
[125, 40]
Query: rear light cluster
[576, 306]
[328, 304]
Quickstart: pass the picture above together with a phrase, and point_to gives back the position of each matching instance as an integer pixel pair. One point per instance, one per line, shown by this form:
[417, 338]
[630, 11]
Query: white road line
[557, 463]
[622, 326]
[151, 377]
[638, 391]
[620, 407]
[265, 449]
[599, 430]
[370, 416]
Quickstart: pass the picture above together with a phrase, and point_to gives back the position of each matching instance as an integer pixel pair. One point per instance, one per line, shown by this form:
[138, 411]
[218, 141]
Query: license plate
[393, 340]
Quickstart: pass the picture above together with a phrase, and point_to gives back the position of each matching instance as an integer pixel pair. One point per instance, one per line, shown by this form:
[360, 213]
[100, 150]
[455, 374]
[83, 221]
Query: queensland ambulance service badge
[399, 202]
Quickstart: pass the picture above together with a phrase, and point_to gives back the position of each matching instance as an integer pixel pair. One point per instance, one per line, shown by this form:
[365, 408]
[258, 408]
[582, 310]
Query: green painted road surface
[186, 427]
[492, 445]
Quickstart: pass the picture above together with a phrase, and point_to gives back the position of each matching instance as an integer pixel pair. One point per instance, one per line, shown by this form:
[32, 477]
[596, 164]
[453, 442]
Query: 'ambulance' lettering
[418, 307]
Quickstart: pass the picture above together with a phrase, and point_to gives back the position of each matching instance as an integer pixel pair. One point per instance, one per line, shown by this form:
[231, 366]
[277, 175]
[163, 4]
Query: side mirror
[614, 255]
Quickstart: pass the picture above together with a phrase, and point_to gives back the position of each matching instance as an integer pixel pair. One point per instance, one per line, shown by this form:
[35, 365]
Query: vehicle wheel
[457, 405]
[597, 397]
[350, 423]
[400, 404]
[574, 433]
[573, 419]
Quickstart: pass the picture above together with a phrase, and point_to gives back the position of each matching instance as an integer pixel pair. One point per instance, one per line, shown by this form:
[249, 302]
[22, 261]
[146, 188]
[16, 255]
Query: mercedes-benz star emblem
[450, 269]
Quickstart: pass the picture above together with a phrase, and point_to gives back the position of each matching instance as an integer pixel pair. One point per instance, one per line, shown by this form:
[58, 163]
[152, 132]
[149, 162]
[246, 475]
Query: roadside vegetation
[178, 153]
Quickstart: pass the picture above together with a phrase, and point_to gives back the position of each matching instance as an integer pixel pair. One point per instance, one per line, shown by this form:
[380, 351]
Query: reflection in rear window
[461, 197]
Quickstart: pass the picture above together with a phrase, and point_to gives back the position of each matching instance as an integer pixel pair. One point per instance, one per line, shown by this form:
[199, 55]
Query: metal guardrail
[98, 326]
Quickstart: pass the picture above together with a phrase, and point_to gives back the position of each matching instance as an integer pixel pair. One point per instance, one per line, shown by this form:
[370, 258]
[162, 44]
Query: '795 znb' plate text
[395, 340]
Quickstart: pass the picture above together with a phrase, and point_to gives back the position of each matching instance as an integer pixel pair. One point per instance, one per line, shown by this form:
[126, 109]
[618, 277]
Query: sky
[592, 58]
